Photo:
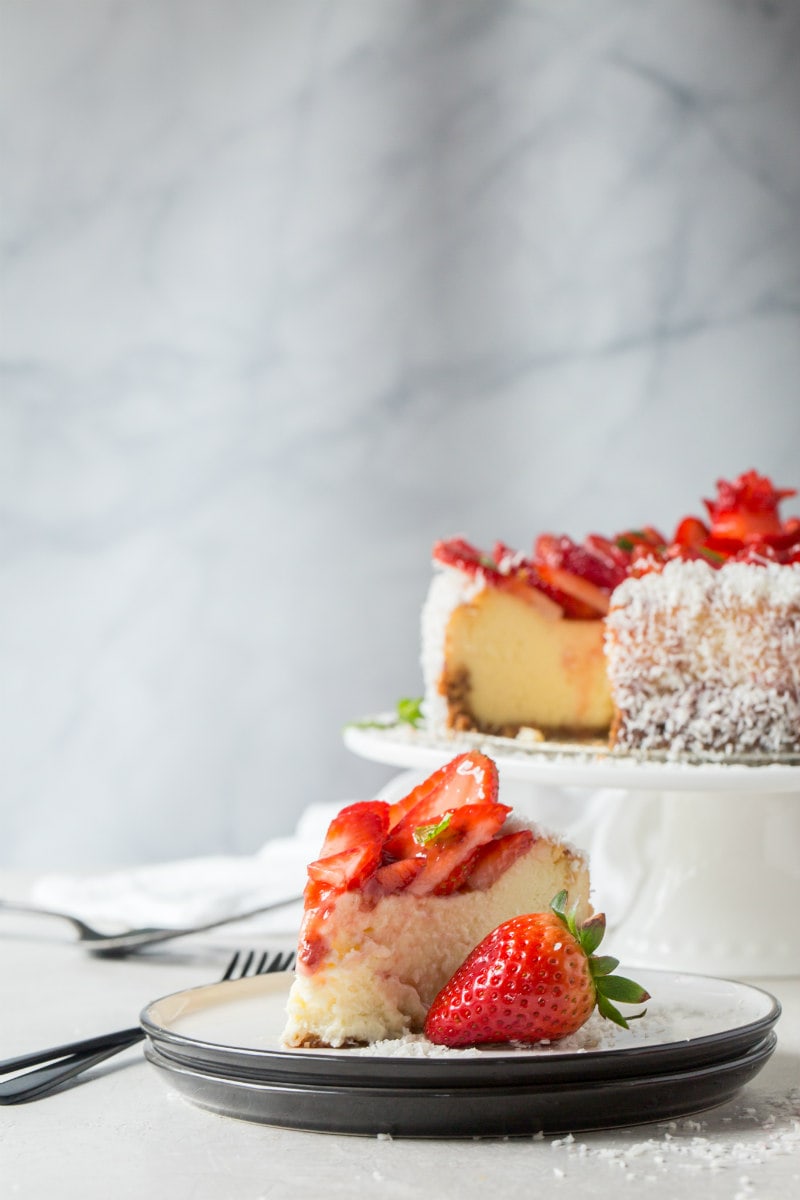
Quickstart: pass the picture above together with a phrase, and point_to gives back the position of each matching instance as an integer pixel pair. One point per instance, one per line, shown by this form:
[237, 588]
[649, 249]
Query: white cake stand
[703, 859]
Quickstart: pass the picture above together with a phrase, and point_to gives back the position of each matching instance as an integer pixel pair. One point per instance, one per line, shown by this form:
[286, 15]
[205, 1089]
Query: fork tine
[248, 963]
[281, 962]
[232, 967]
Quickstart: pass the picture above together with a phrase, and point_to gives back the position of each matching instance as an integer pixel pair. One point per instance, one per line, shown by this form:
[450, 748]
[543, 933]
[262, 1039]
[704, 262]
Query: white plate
[236, 1027]
[219, 1047]
[504, 1110]
[570, 764]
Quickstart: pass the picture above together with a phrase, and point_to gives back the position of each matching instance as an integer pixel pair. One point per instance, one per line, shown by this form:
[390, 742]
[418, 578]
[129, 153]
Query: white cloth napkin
[192, 891]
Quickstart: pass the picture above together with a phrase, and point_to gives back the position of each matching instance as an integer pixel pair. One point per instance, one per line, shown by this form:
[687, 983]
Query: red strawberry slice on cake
[746, 507]
[492, 860]
[470, 778]
[449, 845]
[353, 844]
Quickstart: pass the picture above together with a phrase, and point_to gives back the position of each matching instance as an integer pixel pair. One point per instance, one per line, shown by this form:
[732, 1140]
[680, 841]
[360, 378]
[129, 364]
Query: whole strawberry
[534, 978]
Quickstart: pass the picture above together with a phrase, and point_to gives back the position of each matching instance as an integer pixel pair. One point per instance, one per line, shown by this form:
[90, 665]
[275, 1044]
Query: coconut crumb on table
[767, 1128]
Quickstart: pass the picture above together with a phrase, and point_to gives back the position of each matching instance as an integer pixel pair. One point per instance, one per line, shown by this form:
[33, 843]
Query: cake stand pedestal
[709, 853]
[721, 894]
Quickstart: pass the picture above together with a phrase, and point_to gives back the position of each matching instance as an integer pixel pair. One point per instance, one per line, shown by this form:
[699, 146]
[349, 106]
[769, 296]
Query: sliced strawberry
[608, 551]
[646, 536]
[570, 606]
[746, 506]
[346, 869]
[527, 585]
[457, 552]
[451, 844]
[591, 567]
[598, 569]
[787, 539]
[758, 553]
[506, 558]
[548, 549]
[737, 526]
[417, 795]
[493, 859]
[394, 876]
[352, 847]
[704, 553]
[504, 569]
[456, 880]
[366, 820]
[588, 594]
[691, 532]
[468, 779]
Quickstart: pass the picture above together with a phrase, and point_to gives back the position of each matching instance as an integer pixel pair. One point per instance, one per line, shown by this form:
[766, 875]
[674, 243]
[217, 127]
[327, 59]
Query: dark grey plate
[490, 1111]
[233, 1029]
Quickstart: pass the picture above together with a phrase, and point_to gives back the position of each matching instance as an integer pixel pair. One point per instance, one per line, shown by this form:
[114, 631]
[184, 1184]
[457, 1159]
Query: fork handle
[120, 1037]
[44, 1070]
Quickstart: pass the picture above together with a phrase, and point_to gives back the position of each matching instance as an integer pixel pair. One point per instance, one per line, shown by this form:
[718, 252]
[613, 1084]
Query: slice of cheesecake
[400, 895]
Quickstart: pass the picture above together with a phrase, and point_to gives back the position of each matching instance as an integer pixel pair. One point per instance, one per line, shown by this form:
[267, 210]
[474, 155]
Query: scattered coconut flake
[663, 1024]
[767, 1129]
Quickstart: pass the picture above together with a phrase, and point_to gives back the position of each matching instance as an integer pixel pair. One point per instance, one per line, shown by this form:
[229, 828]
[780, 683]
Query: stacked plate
[702, 1040]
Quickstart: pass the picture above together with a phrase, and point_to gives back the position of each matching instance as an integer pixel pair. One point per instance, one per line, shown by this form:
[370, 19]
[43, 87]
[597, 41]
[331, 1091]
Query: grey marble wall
[289, 290]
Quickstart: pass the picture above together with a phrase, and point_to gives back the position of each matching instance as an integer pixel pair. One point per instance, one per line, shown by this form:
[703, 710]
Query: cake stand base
[722, 889]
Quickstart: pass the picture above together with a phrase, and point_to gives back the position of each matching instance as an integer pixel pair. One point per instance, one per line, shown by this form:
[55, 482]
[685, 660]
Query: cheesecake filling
[492, 662]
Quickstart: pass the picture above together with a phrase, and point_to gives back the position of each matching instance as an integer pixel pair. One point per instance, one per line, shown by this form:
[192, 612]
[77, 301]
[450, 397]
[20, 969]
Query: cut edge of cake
[487, 651]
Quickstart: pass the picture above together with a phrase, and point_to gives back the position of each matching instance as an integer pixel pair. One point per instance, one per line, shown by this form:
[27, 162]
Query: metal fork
[117, 944]
[34, 1075]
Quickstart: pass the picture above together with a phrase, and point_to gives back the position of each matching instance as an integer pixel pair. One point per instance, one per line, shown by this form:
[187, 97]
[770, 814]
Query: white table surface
[123, 1133]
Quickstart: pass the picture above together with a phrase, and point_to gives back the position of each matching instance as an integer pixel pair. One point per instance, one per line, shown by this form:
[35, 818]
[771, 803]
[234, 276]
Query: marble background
[292, 289]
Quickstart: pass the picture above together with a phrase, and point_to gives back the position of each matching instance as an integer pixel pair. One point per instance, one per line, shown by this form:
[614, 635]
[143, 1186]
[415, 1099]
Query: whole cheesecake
[681, 644]
[402, 893]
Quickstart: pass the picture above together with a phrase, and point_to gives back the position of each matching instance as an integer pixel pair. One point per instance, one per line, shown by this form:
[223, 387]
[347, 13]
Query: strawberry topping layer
[562, 578]
[445, 836]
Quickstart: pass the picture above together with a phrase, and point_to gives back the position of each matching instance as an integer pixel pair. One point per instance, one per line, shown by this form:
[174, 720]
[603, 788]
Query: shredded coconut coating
[703, 659]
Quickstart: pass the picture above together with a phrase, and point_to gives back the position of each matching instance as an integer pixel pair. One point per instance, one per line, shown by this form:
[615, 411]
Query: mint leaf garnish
[409, 710]
[424, 834]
